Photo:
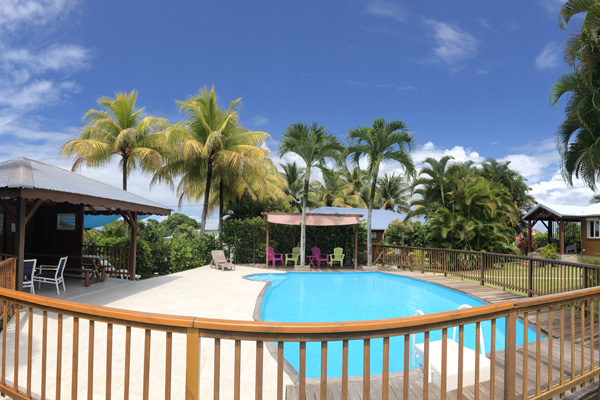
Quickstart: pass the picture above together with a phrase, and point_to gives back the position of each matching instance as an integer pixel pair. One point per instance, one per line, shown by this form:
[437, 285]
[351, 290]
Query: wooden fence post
[482, 278]
[383, 255]
[530, 278]
[585, 278]
[445, 262]
[422, 261]
[192, 364]
[510, 354]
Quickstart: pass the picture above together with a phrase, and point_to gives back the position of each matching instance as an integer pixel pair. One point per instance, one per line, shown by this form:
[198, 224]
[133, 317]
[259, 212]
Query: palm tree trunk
[221, 206]
[303, 224]
[369, 216]
[125, 225]
[209, 169]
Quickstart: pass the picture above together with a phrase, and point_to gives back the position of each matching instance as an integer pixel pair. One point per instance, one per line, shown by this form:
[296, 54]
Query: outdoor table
[97, 272]
[311, 260]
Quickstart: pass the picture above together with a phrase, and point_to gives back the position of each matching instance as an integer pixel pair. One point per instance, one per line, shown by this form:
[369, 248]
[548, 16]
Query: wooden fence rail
[118, 261]
[529, 276]
[540, 347]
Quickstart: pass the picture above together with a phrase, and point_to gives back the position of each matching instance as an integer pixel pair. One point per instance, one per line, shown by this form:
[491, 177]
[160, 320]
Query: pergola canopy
[313, 219]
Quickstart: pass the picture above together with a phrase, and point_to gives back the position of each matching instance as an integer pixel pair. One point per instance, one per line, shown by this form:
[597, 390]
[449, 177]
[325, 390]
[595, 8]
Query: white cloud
[459, 153]
[14, 14]
[57, 57]
[453, 46]
[556, 191]
[484, 23]
[384, 8]
[258, 121]
[549, 56]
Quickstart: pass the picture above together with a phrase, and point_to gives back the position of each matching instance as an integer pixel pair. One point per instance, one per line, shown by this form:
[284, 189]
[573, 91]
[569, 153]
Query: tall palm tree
[209, 139]
[358, 180]
[118, 129]
[379, 142]
[313, 145]
[336, 192]
[393, 193]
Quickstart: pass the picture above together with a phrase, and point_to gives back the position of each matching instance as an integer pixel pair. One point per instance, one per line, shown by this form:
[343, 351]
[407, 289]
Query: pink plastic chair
[274, 257]
[318, 257]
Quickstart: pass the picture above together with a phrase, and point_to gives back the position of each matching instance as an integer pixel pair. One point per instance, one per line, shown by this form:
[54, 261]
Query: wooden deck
[536, 375]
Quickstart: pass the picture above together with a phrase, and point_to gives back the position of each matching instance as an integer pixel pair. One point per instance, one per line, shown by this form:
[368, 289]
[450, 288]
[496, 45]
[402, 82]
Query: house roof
[565, 211]
[31, 179]
[379, 220]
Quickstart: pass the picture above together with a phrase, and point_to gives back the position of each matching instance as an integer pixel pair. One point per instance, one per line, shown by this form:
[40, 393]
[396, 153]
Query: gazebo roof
[566, 212]
[313, 219]
[31, 179]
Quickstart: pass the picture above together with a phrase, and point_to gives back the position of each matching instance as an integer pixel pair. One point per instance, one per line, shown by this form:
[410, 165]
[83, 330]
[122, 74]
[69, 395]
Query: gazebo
[553, 215]
[314, 219]
[42, 208]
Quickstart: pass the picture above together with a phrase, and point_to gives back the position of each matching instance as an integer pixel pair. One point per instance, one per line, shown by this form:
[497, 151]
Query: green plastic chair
[294, 256]
[337, 256]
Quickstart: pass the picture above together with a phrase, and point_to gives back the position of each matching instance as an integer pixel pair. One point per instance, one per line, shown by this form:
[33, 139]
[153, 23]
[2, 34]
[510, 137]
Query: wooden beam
[356, 246]
[267, 249]
[31, 212]
[20, 241]
[529, 235]
[561, 233]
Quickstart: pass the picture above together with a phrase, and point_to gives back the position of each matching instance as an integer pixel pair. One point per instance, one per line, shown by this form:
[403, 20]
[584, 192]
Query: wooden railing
[118, 262]
[530, 276]
[8, 268]
[52, 348]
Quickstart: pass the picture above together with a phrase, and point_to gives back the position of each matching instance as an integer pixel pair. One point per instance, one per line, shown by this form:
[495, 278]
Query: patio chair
[274, 257]
[318, 257]
[219, 261]
[29, 272]
[52, 274]
[337, 256]
[294, 256]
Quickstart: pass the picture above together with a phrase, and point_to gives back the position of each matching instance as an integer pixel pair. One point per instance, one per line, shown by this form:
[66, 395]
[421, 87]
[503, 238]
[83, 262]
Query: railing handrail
[525, 258]
[314, 330]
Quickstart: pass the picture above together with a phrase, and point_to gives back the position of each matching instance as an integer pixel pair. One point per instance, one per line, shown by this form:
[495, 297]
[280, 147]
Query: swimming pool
[356, 296]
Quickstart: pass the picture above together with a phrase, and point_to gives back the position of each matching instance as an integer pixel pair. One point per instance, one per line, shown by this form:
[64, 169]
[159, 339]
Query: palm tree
[292, 174]
[379, 142]
[431, 185]
[578, 141]
[393, 193]
[210, 139]
[358, 180]
[313, 145]
[118, 129]
[336, 192]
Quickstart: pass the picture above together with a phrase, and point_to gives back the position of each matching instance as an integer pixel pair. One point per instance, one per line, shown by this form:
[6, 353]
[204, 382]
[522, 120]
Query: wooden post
[530, 278]
[561, 234]
[529, 234]
[510, 350]
[422, 261]
[133, 251]
[356, 246]
[192, 364]
[550, 231]
[445, 262]
[20, 241]
[482, 269]
[267, 244]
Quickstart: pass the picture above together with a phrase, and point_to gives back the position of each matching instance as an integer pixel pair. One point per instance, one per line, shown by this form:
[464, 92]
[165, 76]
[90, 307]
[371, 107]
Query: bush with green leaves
[406, 233]
[548, 251]
[145, 265]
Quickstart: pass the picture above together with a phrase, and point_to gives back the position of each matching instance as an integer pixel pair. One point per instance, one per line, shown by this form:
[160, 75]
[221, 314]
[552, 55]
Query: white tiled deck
[203, 292]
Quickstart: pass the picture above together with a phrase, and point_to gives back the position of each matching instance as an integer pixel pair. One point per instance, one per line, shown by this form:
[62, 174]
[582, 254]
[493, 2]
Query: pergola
[551, 217]
[42, 208]
[316, 220]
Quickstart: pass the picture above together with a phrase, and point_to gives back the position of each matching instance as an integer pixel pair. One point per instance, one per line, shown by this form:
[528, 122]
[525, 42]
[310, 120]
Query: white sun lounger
[435, 362]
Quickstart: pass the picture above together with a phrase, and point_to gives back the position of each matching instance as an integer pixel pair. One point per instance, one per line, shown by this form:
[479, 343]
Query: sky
[469, 78]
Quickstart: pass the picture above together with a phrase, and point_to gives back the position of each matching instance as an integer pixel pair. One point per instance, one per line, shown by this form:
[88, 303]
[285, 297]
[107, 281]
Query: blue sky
[469, 78]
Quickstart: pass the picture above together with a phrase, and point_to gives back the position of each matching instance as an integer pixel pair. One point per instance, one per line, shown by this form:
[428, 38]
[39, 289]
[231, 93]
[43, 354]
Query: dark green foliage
[406, 233]
[548, 251]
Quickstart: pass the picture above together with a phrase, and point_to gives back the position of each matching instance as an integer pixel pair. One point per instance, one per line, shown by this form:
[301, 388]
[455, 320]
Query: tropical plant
[118, 129]
[210, 139]
[393, 193]
[292, 174]
[578, 141]
[336, 192]
[314, 146]
[431, 186]
[358, 180]
[380, 142]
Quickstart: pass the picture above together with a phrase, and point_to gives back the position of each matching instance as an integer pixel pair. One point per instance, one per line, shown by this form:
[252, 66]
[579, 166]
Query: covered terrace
[316, 219]
[42, 208]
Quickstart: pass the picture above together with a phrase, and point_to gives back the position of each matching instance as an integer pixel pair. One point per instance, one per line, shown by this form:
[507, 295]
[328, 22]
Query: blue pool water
[327, 297]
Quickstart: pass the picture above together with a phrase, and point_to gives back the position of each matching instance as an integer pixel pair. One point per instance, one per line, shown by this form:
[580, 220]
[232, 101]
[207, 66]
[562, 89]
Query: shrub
[144, 261]
[548, 251]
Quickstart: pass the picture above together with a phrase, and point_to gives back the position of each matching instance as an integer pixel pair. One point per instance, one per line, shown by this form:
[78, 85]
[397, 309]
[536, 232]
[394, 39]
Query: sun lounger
[219, 261]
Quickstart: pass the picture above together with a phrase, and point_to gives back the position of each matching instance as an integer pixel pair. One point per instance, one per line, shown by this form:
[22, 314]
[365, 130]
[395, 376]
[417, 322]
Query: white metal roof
[590, 210]
[31, 174]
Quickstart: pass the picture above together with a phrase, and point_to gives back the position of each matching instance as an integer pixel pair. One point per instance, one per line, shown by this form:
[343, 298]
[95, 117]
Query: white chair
[434, 373]
[28, 274]
[52, 274]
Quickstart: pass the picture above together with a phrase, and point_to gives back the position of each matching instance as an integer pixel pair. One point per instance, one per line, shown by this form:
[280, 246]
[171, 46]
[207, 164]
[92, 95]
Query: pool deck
[211, 293]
